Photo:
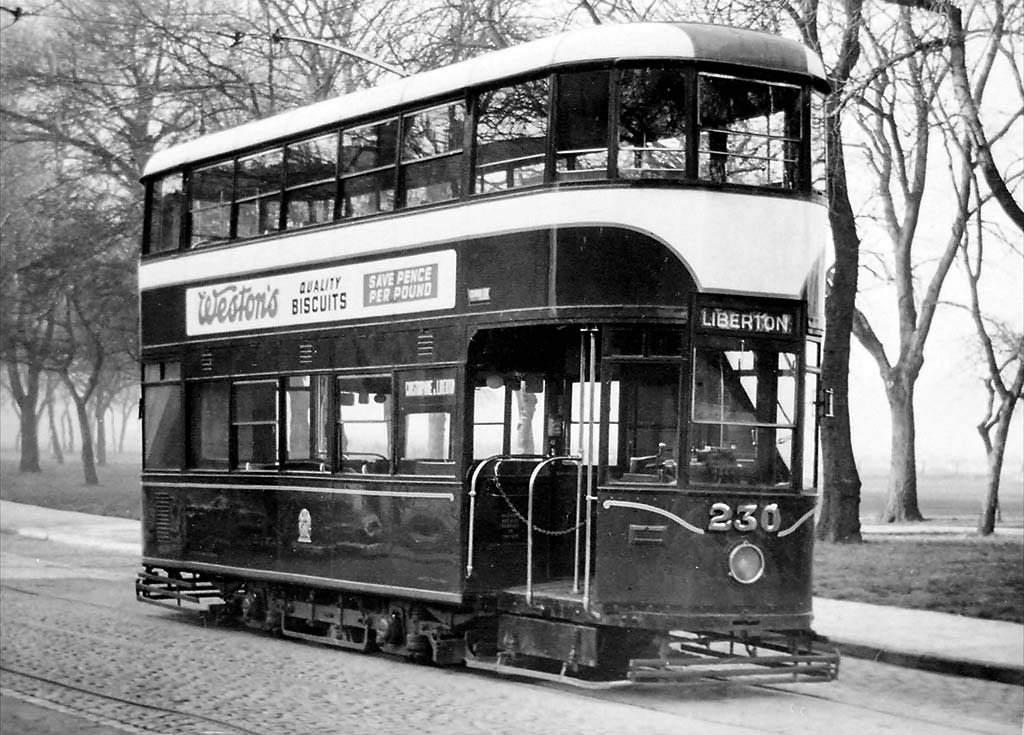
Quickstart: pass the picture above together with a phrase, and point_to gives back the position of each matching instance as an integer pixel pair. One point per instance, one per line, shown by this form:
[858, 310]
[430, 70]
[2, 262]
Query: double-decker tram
[510, 364]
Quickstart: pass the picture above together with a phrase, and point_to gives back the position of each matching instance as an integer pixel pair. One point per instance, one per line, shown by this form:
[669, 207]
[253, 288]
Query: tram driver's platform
[951, 644]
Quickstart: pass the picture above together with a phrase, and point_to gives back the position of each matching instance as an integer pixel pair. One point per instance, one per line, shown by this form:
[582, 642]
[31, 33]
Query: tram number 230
[745, 517]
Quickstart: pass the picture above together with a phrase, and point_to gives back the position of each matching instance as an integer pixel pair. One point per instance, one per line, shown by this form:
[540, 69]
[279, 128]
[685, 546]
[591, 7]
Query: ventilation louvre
[164, 529]
[425, 345]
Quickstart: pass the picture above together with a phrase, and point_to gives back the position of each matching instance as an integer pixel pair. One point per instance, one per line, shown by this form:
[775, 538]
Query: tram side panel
[406, 543]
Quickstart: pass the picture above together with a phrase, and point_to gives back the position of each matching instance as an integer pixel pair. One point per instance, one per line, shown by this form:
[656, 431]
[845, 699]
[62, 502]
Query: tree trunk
[839, 518]
[55, 444]
[68, 428]
[101, 433]
[29, 432]
[901, 504]
[997, 450]
[26, 396]
[85, 428]
[126, 411]
[88, 460]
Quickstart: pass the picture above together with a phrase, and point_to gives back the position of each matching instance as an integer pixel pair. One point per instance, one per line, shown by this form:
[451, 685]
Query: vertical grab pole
[579, 468]
[590, 466]
[529, 520]
[472, 512]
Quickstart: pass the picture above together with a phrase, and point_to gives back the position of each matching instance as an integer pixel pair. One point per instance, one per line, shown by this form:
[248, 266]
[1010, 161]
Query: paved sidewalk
[951, 644]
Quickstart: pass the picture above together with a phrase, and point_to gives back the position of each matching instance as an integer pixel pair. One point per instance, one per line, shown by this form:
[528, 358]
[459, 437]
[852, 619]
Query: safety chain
[525, 521]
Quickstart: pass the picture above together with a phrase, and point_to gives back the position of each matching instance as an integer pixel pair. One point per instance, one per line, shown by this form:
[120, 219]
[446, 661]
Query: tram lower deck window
[208, 420]
[363, 431]
[643, 409]
[426, 411]
[163, 419]
[744, 414]
[254, 424]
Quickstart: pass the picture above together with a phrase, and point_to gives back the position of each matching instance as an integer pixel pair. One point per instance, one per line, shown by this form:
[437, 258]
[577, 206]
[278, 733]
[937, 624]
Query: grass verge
[978, 577]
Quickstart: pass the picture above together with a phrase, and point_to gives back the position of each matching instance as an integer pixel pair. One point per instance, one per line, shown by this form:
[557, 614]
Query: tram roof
[611, 42]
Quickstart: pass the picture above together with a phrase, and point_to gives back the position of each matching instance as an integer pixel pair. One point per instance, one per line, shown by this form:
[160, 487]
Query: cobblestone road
[75, 640]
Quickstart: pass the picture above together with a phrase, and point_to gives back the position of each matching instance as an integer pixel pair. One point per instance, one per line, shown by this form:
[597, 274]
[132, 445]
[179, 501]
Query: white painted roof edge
[597, 43]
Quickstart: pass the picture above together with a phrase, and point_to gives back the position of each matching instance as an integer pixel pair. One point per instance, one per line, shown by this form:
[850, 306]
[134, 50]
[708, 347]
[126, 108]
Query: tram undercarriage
[491, 638]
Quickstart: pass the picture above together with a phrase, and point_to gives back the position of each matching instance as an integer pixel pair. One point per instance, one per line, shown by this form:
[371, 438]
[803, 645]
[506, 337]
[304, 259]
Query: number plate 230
[745, 518]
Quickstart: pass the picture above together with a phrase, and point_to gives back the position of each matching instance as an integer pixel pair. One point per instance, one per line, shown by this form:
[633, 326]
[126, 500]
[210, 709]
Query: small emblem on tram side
[305, 527]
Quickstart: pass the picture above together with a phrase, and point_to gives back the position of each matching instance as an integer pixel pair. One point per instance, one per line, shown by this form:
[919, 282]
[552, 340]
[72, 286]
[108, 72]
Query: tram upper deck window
[364, 425]
[258, 193]
[652, 127]
[426, 409]
[750, 132]
[368, 157]
[744, 413]
[210, 194]
[511, 137]
[581, 125]
[166, 204]
[817, 133]
[310, 178]
[431, 160]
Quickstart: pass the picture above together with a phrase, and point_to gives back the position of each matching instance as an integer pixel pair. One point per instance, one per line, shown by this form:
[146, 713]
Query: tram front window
[643, 402]
[744, 414]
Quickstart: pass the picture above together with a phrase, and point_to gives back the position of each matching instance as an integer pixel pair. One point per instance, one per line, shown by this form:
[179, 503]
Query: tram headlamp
[746, 563]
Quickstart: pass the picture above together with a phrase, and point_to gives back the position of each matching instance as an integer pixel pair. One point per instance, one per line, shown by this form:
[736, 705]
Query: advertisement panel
[406, 285]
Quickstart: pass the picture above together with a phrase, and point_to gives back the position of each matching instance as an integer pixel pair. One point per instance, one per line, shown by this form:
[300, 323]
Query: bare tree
[1002, 351]
[28, 280]
[901, 112]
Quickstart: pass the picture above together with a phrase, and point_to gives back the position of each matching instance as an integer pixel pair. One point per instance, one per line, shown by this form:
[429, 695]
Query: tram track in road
[189, 718]
[107, 627]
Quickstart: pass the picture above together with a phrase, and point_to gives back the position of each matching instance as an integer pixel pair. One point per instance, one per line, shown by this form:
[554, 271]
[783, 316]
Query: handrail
[529, 519]
[472, 511]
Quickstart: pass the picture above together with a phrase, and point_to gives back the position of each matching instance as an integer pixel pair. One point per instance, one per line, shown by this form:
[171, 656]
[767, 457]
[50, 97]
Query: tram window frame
[301, 180]
[508, 392]
[208, 414]
[722, 464]
[625, 460]
[815, 148]
[717, 145]
[655, 159]
[254, 425]
[220, 211]
[317, 425]
[810, 420]
[257, 211]
[163, 416]
[581, 104]
[430, 393]
[378, 176]
[521, 171]
[166, 214]
[365, 462]
[442, 152]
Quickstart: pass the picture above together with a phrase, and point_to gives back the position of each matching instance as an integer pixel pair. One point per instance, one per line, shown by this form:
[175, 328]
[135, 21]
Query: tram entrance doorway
[525, 390]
